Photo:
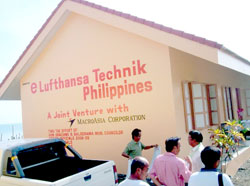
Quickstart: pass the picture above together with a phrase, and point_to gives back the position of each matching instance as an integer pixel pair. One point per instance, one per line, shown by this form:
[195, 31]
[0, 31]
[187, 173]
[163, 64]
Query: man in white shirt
[139, 172]
[195, 139]
[209, 176]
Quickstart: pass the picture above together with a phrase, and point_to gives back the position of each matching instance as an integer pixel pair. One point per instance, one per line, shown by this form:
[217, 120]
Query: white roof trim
[233, 61]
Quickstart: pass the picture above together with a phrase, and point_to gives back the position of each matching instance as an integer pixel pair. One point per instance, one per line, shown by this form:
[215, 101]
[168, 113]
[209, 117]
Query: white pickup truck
[37, 162]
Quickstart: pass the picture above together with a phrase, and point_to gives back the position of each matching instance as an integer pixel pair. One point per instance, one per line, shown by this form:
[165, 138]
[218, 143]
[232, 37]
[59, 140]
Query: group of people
[199, 168]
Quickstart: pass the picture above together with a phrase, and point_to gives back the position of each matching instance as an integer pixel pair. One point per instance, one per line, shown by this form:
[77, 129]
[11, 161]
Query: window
[228, 105]
[248, 102]
[200, 104]
[238, 98]
[212, 104]
[10, 167]
[239, 106]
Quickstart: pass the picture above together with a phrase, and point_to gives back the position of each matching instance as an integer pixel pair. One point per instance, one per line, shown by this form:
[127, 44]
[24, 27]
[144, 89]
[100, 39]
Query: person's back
[209, 176]
[168, 169]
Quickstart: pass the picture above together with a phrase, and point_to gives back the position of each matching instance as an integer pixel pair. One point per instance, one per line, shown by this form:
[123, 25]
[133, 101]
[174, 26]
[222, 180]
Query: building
[91, 75]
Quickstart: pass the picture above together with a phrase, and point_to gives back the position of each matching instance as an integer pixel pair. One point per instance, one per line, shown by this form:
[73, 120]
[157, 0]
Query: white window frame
[228, 103]
[247, 96]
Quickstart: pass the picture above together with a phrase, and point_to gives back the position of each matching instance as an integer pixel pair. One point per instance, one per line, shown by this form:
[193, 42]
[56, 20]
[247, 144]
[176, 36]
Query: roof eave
[10, 86]
[233, 54]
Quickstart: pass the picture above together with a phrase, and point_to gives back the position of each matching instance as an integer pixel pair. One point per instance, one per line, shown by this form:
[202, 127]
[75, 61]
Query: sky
[223, 21]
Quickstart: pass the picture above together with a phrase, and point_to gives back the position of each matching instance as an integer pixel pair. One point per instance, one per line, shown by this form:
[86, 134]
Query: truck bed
[51, 162]
[59, 168]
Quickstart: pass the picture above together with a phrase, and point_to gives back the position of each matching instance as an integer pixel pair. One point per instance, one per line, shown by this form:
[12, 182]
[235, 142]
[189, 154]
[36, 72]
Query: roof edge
[152, 24]
[233, 54]
[31, 42]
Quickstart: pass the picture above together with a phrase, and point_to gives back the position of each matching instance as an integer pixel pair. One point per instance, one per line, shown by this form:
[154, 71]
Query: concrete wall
[186, 67]
[79, 48]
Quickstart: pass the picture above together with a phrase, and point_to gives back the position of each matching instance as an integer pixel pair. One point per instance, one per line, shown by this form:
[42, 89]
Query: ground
[242, 177]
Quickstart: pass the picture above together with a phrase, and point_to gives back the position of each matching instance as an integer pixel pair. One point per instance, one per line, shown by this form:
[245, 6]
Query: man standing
[195, 139]
[208, 176]
[139, 169]
[135, 147]
[168, 169]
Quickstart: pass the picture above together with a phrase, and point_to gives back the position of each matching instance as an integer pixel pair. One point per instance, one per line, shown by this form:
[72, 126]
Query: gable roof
[152, 24]
[10, 86]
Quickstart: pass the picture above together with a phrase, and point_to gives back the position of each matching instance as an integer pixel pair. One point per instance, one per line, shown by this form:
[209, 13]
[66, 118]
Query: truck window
[10, 167]
[41, 153]
[70, 154]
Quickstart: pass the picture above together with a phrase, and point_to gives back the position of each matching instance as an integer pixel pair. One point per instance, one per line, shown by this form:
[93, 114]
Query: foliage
[245, 130]
[227, 138]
